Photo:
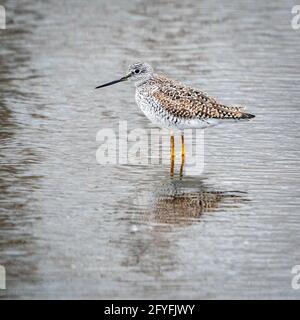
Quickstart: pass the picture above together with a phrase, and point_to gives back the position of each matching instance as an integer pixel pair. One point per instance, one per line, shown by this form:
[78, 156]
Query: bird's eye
[136, 71]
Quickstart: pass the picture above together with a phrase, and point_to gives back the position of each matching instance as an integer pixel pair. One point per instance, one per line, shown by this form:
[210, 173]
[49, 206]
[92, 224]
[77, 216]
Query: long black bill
[114, 82]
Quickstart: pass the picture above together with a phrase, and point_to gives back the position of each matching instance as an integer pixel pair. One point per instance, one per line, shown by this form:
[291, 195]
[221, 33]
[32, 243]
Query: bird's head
[140, 71]
[137, 72]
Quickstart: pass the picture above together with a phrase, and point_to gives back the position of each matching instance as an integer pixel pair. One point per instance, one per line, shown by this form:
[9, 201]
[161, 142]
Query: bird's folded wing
[186, 102]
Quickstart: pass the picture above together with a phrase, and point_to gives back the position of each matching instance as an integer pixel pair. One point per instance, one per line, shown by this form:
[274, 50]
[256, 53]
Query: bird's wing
[186, 102]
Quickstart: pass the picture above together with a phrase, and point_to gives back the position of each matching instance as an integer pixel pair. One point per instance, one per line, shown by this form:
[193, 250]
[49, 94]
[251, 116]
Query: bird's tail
[245, 115]
[237, 112]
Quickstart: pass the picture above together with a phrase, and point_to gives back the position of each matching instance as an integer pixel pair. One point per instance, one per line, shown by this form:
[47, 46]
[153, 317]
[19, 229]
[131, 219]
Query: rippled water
[71, 228]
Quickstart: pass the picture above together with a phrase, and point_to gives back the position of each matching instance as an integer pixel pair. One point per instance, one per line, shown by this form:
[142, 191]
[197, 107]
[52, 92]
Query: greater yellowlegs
[170, 104]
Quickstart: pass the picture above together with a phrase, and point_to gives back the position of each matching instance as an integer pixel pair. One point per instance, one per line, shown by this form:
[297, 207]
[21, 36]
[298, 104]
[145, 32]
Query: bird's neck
[144, 80]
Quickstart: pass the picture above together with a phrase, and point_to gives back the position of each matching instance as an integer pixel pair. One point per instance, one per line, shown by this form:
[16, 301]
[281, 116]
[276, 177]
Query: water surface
[71, 228]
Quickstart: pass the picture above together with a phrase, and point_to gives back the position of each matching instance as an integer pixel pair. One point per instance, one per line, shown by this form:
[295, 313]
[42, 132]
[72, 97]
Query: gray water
[72, 228]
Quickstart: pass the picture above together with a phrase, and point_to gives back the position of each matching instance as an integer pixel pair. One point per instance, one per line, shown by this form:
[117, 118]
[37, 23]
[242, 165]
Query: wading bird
[171, 104]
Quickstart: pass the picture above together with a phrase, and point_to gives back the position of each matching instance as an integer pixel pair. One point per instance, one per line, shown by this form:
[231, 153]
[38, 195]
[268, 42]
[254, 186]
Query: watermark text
[151, 146]
[296, 279]
[2, 18]
[295, 22]
[2, 278]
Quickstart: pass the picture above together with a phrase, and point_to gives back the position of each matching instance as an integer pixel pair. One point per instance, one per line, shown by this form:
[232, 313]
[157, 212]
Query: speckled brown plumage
[189, 103]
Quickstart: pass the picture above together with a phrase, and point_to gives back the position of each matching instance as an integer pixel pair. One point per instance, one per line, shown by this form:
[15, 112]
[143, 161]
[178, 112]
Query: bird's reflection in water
[182, 201]
[151, 247]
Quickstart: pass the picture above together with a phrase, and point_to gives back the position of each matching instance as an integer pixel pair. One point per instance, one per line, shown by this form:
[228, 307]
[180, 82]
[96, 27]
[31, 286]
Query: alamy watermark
[2, 18]
[295, 22]
[152, 146]
[296, 279]
[2, 278]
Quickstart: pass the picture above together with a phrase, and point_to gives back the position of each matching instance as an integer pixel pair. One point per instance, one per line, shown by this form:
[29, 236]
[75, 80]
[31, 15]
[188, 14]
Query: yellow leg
[182, 146]
[172, 154]
[182, 155]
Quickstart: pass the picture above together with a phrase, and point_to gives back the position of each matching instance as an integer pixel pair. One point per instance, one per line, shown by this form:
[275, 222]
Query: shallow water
[72, 228]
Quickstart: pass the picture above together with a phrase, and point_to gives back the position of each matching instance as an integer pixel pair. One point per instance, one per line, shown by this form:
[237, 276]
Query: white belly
[158, 116]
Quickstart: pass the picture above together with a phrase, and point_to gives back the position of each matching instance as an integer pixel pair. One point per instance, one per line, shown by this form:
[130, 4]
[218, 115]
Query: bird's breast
[159, 116]
[150, 107]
